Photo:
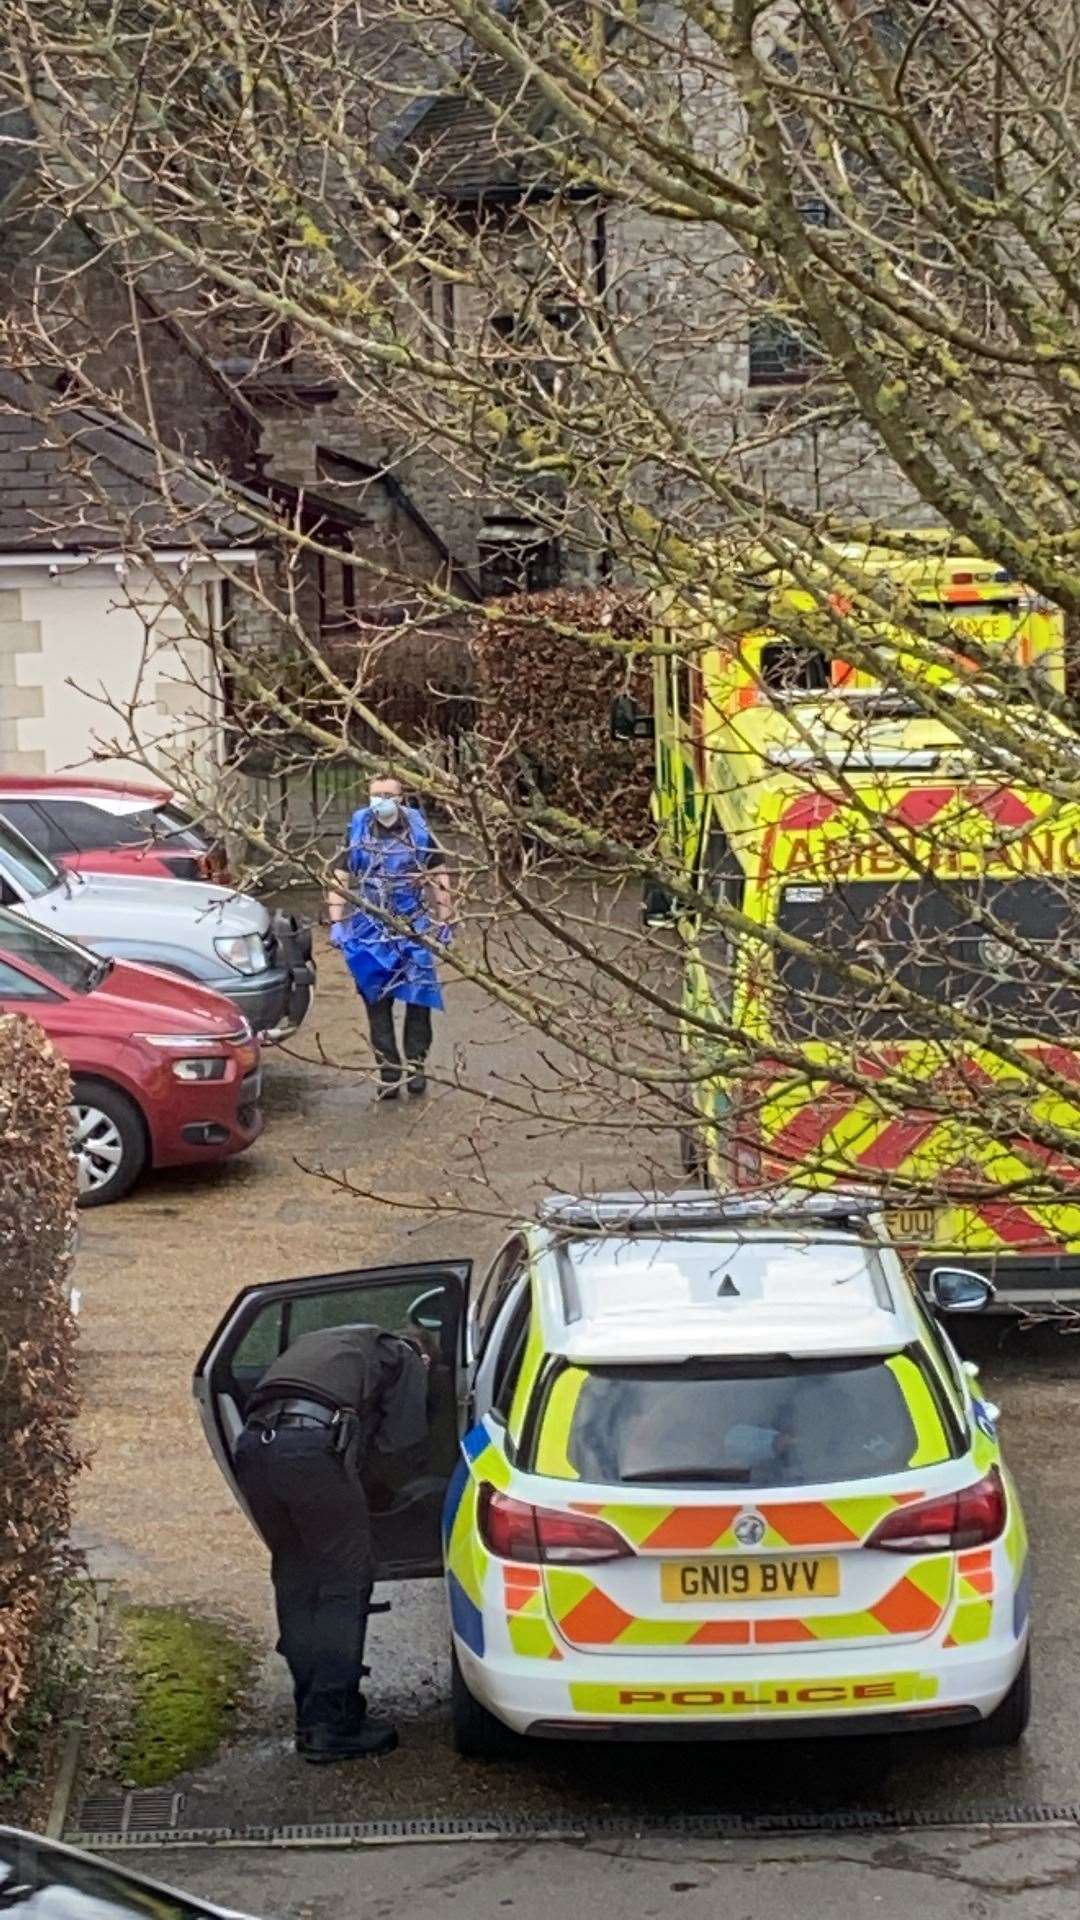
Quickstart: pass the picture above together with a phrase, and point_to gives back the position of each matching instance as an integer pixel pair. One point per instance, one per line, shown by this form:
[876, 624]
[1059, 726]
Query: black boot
[417, 1081]
[389, 1080]
[367, 1739]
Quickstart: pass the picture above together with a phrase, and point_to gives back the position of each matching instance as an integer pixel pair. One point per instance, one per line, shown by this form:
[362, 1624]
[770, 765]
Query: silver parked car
[226, 941]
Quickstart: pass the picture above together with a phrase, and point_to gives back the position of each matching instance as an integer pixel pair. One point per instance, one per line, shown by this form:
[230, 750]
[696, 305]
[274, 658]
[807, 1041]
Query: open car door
[426, 1302]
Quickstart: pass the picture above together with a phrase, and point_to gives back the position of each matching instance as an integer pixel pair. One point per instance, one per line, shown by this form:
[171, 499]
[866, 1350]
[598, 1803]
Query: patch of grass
[185, 1675]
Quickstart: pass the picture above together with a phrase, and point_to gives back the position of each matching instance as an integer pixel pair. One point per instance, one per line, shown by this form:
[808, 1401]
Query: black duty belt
[298, 1412]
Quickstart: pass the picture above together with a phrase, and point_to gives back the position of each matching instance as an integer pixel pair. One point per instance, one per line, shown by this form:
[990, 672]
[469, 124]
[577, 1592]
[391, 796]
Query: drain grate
[507, 1827]
[145, 1811]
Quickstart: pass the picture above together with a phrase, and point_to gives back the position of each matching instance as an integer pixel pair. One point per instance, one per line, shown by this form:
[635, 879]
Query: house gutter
[164, 556]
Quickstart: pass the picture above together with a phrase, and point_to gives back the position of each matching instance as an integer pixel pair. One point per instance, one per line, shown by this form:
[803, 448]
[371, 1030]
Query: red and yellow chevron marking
[526, 1614]
[819, 834]
[520, 1584]
[973, 1615]
[788, 1523]
[588, 1617]
[826, 1134]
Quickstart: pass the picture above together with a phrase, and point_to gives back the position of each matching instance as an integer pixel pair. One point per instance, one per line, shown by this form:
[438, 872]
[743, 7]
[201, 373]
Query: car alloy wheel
[110, 1141]
[97, 1147]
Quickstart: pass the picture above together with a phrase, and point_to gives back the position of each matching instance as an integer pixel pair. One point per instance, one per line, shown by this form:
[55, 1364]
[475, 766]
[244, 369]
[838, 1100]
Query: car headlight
[207, 1066]
[210, 1067]
[244, 951]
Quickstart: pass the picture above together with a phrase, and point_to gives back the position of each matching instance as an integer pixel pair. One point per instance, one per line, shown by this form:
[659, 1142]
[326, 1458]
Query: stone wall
[19, 638]
[89, 666]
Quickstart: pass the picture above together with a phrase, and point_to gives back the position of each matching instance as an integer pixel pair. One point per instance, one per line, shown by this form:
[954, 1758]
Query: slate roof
[480, 135]
[72, 480]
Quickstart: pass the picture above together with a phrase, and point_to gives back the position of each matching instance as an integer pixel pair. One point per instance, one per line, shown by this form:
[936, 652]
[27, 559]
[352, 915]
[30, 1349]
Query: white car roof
[653, 1297]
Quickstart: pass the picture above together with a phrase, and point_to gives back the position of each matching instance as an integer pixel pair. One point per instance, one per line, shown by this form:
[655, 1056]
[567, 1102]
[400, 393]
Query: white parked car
[720, 1474]
[225, 941]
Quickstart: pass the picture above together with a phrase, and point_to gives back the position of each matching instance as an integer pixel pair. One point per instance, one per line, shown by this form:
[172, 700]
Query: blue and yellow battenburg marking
[467, 1559]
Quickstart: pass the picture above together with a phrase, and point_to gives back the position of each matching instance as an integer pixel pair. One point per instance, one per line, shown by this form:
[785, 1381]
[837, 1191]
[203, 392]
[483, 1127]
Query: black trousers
[313, 1513]
[416, 1037]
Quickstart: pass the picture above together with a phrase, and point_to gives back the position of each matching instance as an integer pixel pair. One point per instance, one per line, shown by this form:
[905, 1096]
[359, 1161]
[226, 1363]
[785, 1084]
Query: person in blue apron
[393, 864]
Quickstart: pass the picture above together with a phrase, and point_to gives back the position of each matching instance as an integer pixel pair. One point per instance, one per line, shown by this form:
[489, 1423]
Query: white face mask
[385, 808]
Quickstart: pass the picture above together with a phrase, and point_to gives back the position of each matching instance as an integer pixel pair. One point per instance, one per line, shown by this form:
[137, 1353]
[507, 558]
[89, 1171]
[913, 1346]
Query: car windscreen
[934, 941]
[42, 1882]
[742, 1424]
[65, 960]
[102, 825]
[27, 868]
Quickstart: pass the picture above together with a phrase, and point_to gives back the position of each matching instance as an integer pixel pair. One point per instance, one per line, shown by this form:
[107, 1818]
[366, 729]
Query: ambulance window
[724, 883]
[680, 681]
[793, 666]
[930, 941]
[723, 876]
[680, 685]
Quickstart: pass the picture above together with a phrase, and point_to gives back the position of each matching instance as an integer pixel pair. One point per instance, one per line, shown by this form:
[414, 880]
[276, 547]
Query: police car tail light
[513, 1530]
[577, 1536]
[971, 1518]
[508, 1527]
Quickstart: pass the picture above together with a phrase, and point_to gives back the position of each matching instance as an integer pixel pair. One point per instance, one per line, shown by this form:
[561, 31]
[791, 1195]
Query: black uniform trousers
[416, 1037]
[312, 1511]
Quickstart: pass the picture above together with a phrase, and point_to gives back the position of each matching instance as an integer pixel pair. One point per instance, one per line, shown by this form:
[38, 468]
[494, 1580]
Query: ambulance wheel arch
[423, 1301]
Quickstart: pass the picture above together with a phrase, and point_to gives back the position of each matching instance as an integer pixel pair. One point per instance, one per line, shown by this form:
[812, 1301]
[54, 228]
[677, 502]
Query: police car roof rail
[847, 1210]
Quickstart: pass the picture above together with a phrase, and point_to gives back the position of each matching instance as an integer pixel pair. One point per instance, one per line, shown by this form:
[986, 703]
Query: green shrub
[38, 1460]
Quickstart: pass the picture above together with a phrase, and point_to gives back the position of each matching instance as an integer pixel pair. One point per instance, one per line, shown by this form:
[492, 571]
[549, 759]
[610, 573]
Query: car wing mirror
[958, 1290]
[426, 1311]
[628, 722]
[659, 908]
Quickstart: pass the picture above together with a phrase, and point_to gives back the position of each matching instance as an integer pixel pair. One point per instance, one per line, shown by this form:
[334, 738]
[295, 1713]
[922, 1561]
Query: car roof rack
[847, 1209]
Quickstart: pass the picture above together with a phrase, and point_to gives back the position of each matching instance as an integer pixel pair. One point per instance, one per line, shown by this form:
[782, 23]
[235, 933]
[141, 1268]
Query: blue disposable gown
[389, 870]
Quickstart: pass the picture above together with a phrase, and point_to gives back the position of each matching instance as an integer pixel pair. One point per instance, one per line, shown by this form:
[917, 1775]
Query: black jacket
[360, 1369]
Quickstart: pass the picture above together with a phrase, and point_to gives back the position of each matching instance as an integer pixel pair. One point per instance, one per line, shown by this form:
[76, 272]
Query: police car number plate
[817, 1579]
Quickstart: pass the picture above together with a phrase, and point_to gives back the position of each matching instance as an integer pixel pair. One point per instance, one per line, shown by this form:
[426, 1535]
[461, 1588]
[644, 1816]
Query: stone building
[393, 516]
[99, 350]
[678, 297]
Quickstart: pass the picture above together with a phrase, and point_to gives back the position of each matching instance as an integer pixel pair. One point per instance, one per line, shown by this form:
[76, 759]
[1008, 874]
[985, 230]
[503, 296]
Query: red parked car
[111, 826]
[164, 1074]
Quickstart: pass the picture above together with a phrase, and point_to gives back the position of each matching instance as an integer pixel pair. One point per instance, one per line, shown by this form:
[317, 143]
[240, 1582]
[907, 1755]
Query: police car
[699, 1467]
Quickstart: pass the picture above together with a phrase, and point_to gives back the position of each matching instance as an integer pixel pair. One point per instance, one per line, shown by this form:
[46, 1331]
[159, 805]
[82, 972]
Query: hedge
[544, 676]
[38, 1460]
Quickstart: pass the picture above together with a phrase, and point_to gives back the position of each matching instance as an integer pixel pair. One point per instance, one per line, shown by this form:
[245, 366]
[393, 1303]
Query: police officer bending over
[319, 1412]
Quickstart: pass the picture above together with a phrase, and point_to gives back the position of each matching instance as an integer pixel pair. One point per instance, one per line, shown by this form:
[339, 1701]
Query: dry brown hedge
[543, 698]
[37, 1348]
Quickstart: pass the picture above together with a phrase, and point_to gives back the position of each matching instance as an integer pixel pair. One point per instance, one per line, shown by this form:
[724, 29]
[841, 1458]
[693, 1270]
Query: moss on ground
[185, 1675]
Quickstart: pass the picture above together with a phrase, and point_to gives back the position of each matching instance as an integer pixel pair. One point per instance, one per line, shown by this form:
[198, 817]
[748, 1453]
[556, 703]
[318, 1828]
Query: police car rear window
[782, 1423]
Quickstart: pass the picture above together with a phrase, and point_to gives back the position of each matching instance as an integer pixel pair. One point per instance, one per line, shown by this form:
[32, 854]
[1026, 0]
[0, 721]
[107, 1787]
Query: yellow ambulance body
[759, 635]
[955, 1089]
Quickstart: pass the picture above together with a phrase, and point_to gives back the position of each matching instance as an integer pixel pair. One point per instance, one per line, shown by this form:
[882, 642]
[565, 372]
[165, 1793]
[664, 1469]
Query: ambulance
[876, 619]
[879, 984]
